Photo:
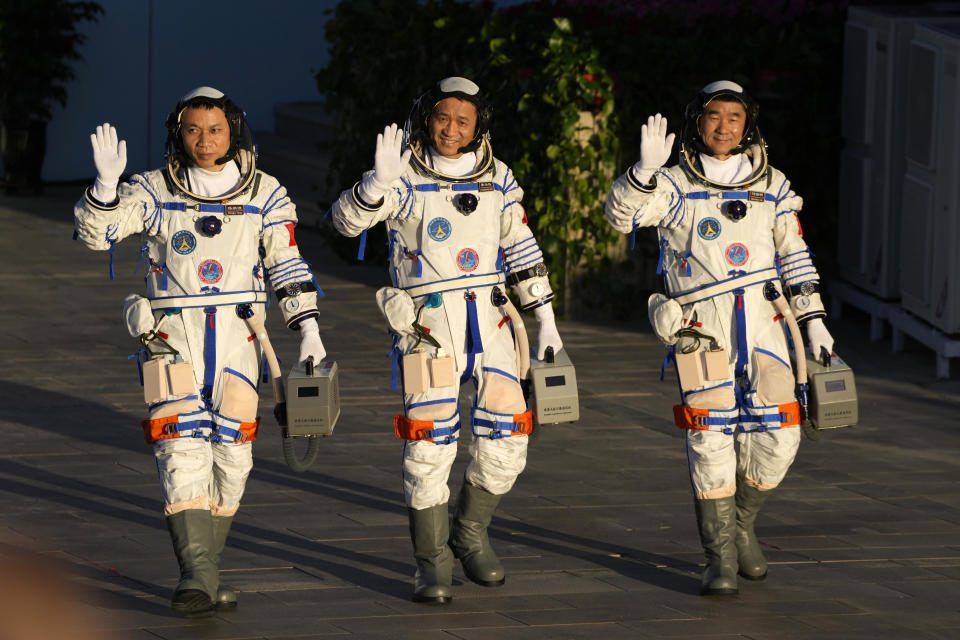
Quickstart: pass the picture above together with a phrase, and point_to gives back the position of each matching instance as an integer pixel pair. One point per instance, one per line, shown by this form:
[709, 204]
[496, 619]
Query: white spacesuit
[213, 237]
[728, 224]
[457, 236]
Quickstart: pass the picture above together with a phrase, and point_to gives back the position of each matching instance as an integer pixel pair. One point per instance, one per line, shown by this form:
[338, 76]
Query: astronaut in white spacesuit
[728, 224]
[457, 234]
[214, 230]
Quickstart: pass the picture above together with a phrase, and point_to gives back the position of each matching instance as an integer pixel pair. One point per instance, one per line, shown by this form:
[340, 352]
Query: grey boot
[718, 525]
[753, 566]
[429, 530]
[469, 540]
[191, 532]
[226, 596]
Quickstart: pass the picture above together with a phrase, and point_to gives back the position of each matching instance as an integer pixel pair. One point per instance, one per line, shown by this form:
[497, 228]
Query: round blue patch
[439, 229]
[468, 260]
[183, 242]
[737, 254]
[709, 228]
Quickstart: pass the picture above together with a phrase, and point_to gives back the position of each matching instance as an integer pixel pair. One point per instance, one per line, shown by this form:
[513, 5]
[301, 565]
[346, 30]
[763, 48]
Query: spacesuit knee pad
[501, 393]
[240, 399]
[775, 381]
[494, 425]
[429, 421]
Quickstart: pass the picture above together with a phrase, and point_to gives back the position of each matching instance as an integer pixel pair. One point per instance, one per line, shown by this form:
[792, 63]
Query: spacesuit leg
[426, 468]
[495, 464]
[712, 463]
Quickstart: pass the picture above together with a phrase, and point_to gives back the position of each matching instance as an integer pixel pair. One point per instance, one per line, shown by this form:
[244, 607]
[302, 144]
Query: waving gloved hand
[655, 148]
[310, 343]
[548, 336]
[388, 164]
[818, 336]
[110, 159]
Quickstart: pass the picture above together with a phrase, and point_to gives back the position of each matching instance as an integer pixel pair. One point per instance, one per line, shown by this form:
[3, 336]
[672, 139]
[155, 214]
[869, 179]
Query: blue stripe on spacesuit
[728, 383]
[726, 195]
[427, 403]
[165, 402]
[474, 342]
[363, 244]
[741, 366]
[269, 204]
[678, 205]
[786, 211]
[502, 373]
[505, 187]
[206, 208]
[773, 355]
[209, 354]
[241, 376]
[519, 246]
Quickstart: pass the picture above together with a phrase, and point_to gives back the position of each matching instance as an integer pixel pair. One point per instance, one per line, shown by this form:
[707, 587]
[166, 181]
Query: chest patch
[709, 228]
[737, 254]
[210, 271]
[439, 229]
[183, 242]
[467, 260]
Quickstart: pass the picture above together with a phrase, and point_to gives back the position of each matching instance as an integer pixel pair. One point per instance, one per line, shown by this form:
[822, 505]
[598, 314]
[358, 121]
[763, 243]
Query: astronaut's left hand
[818, 336]
[549, 336]
[310, 343]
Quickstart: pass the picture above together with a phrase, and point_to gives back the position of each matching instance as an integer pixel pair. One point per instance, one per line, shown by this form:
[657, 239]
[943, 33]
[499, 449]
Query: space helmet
[751, 143]
[417, 127]
[242, 148]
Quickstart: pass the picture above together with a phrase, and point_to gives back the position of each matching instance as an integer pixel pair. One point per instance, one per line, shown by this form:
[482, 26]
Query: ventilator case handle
[548, 355]
[308, 365]
[824, 356]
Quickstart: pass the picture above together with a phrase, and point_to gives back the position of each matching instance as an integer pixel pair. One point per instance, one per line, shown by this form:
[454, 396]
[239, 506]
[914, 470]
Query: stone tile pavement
[598, 537]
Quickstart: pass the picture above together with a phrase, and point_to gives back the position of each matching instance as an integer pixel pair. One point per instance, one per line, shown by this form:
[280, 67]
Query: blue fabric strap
[474, 342]
[208, 208]
[741, 333]
[363, 245]
[459, 186]
[209, 354]
[729, 195]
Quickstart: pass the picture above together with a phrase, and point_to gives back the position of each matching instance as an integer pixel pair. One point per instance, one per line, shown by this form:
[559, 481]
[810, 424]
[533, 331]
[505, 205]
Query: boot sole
[719, 592]
[192, 603]
[752, 577]
[433, 599]
[488, 583]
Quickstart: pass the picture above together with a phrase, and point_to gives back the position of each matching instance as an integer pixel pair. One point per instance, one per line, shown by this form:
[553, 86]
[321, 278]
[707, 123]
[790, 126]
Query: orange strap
[156, 429]
[690, 418]
[407, 429]
[790, 413]
[524, 423]
[160, 429]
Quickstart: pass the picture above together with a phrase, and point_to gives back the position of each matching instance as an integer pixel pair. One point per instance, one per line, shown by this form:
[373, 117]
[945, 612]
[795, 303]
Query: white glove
[388, 164]
[655, 147]
[548, 336]
[310, 343]
[110, 158]
[818, 336]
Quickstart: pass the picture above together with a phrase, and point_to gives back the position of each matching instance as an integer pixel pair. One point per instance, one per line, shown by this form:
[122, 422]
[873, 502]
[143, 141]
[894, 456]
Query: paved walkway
[598, 537]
